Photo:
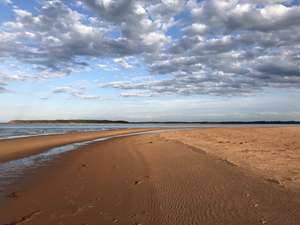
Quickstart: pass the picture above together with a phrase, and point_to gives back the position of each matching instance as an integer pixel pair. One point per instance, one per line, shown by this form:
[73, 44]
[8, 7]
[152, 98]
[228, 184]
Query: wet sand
[146, 179]
[272, 152]
[20, 147]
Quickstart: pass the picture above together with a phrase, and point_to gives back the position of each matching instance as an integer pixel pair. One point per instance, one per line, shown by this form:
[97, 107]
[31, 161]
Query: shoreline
[16, 148]
[146, 179]
[146, 126]
[30, 135]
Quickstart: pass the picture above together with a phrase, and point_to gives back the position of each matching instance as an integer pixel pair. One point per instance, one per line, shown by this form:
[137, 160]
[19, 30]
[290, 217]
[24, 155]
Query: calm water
[20, 130]
[15, 169]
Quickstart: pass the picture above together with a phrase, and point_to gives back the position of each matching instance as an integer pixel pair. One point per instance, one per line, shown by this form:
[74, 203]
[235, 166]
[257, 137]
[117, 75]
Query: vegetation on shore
[65, 121]
[127, 122]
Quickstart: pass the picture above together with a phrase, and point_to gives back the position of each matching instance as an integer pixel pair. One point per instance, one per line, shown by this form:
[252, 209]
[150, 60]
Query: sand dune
[146, 179]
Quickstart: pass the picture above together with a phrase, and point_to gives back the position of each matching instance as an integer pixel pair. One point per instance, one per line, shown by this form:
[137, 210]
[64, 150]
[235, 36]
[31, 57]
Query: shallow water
[12, 170]
[9, 131]
[25, 130]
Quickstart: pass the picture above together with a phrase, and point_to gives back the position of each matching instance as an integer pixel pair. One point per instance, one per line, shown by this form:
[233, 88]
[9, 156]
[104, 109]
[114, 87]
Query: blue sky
[160, 60]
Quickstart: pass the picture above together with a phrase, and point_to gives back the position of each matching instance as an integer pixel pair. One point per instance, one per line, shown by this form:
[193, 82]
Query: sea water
[8, 131]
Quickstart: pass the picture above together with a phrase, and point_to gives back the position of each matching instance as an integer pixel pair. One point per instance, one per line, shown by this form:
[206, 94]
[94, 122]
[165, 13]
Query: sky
[150, 60]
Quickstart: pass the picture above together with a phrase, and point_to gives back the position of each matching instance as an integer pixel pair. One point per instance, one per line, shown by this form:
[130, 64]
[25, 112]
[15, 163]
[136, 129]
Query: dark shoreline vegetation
[127, 122]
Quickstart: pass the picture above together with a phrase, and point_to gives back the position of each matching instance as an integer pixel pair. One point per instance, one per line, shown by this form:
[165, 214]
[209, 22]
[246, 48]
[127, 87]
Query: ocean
[26, 130]
[8, 131]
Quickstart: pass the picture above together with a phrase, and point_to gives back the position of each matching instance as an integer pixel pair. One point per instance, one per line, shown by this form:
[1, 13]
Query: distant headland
[77, 121]
[65, 121]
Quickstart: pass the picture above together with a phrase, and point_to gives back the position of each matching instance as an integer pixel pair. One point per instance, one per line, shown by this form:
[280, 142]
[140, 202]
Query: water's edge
[14, 169]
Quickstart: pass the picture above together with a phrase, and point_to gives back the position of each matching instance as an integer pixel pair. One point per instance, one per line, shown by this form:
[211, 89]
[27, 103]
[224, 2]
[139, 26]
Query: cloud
[58, 37]
[15, 75]
[217, 47]
[108, 67]
[6, 77]
[185, 86]
[3, 88]
[6, 2]
[248, 15]
[135, 94]
[123, 63]
[77, 92]
[280, 66]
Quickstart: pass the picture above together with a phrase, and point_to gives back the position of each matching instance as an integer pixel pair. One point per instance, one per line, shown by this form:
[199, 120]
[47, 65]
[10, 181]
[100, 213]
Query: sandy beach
[173, 177]
[20, 147]
[273, 152]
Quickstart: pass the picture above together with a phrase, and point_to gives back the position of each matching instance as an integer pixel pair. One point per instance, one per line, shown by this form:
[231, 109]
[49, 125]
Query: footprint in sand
[14, 195]
[137, 182]
[115, 220]
[263, 221]
[273, 180]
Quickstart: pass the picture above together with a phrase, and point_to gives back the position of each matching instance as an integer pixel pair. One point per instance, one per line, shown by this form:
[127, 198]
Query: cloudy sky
[143, 60]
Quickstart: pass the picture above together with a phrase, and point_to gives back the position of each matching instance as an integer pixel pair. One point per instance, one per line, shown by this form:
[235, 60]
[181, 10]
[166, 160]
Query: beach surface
[154, 179]
[21, 147]
[273, 152]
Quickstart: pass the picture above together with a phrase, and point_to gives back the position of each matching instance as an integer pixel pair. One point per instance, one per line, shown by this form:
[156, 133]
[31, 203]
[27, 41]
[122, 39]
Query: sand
[273, 152]
[16, 148]
[146, 179]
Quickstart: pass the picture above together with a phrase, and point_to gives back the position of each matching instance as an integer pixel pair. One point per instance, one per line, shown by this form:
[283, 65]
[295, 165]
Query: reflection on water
[10, 171]
[8, 131]
[24, 130]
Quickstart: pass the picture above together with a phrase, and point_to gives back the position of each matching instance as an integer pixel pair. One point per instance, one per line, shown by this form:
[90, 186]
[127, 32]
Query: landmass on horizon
[140, 122]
